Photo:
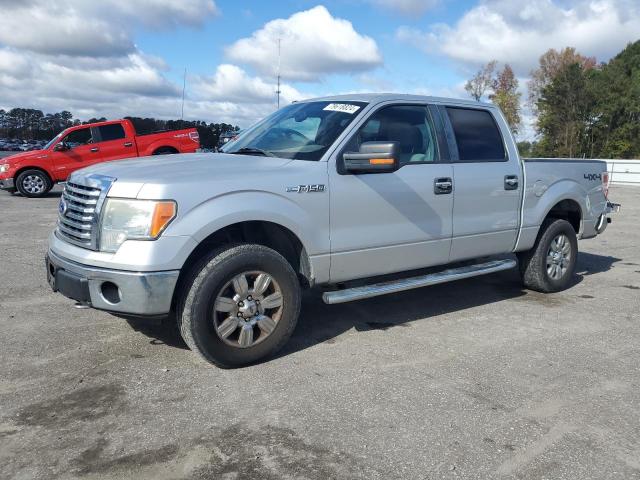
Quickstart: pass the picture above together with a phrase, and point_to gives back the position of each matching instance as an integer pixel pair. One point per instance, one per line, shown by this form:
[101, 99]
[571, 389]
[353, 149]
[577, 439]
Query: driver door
[80, 152]
[390, 222]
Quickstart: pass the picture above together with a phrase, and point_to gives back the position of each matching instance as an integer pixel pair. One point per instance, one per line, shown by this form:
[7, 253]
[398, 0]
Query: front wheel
[549, 266]
[239, 305]
[33, 183]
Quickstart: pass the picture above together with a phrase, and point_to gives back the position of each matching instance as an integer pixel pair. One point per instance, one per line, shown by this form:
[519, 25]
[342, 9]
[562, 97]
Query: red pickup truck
[34, 173]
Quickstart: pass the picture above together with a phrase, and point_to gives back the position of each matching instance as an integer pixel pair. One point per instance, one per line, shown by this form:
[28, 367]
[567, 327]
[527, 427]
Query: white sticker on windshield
[342, 107]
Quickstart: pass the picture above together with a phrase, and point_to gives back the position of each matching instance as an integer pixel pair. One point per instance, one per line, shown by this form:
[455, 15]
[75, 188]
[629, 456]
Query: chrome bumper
[604, 220]
[134, 293]
[7, 184]
[612, 208]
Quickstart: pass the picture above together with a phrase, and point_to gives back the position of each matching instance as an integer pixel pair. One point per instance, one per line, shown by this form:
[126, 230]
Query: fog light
[110, 292]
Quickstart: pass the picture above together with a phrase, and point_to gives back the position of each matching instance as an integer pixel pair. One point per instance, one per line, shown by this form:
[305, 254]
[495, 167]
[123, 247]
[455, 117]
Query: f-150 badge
[306, 188]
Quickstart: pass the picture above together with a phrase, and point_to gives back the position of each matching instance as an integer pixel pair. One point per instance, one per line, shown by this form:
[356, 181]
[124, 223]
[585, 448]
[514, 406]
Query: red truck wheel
[33, 183]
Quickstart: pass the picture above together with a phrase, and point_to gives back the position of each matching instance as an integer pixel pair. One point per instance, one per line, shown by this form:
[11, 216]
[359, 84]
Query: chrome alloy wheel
[558, 257]
[33, 184]
[247, 309]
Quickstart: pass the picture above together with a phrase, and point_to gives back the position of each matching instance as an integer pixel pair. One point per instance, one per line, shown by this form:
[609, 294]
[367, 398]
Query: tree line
[582, 108]
[32, 124]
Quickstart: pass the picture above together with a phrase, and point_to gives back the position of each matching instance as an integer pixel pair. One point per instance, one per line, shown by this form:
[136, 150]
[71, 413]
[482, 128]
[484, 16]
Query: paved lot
[476, 379]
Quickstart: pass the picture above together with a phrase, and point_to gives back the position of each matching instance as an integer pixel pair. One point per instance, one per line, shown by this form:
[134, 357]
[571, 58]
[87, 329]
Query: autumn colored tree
[481, 81]
[506, 96]
[552, 62]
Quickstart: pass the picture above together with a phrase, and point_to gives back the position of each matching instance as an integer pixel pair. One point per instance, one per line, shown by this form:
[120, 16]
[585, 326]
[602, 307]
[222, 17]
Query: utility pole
[184, 86]
[278, 91]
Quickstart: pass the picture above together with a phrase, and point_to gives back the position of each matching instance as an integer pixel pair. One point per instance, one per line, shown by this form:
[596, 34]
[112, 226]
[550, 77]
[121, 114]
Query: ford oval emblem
[62, 208]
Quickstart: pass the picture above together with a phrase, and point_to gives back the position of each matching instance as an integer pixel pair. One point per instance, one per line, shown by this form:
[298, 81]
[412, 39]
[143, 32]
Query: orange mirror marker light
[381, 161]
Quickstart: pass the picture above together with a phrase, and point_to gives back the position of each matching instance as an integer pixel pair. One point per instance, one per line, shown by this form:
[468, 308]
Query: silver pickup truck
[362, 195]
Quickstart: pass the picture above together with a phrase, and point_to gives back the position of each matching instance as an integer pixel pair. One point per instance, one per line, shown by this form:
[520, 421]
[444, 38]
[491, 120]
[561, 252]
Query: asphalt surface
[474, 379]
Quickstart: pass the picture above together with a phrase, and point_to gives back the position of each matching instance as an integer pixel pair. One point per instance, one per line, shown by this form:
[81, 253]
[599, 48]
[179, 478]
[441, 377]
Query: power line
[184, 86]
[278, 91]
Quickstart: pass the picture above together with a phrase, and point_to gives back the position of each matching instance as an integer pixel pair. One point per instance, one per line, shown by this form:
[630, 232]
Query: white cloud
[314, 43]
[231, 83]
[80, 56]
[518, 32]
[86, 28]
[407, 7]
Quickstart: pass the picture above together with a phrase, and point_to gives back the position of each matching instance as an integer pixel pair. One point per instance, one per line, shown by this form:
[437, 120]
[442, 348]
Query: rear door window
[111, 132]
[477, 135]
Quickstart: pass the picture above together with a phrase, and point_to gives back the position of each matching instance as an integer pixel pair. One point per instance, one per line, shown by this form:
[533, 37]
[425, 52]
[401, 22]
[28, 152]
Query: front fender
[307, 217]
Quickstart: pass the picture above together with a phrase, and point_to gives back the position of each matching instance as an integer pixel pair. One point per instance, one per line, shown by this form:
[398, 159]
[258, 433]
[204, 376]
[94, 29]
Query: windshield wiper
[252, 151]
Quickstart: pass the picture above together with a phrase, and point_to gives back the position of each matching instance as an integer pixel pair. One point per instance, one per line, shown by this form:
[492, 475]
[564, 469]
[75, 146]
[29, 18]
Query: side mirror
[373, 157]
[61, 147]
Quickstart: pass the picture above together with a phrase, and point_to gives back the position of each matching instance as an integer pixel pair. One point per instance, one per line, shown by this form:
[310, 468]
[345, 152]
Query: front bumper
[134, 293]
[7, 184]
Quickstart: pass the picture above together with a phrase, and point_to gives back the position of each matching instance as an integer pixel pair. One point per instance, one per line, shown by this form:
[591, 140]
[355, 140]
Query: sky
[115, 58]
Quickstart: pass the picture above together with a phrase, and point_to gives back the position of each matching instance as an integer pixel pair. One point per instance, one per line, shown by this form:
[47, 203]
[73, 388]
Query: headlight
[4, 168]
[133, 220]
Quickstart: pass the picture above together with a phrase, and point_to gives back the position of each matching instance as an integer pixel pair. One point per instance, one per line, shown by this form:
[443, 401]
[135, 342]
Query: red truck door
[74, 151]
[115, 142]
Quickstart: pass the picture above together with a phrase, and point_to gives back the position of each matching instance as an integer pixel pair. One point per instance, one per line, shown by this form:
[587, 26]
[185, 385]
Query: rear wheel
[33, 183]
[549, 266]
[240, 305]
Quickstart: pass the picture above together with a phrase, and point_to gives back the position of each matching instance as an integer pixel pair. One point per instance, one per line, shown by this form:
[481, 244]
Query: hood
[184, 168]
[22, 156]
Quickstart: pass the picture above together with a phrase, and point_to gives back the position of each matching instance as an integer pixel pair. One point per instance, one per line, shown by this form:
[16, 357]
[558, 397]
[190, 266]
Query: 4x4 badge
[306, 188]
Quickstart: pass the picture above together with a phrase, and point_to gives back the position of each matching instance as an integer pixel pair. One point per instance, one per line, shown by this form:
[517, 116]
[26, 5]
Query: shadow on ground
[321, 323]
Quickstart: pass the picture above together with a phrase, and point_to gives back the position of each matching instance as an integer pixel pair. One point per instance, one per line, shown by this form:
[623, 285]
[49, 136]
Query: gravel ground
[474, 379]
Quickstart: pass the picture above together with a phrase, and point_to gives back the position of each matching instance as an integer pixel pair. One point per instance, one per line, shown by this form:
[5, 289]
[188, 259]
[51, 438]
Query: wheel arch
[260, 232]
[168, 148]
[567, 209]
[31, 167]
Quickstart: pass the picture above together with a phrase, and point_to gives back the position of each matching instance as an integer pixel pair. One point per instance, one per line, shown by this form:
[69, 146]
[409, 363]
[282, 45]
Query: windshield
[48, 145]
[300, 131]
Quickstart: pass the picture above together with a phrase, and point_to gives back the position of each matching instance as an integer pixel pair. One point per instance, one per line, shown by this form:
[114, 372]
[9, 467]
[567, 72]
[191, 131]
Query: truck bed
[557, 177]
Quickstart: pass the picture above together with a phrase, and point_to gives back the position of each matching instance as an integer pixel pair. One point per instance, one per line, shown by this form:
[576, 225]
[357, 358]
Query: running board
[393, 286]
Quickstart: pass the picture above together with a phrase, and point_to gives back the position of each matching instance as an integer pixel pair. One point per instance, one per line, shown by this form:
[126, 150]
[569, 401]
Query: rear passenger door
[113, 143]
[487, 183]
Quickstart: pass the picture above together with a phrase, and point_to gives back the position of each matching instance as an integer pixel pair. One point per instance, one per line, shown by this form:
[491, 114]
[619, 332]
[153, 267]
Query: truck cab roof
[375, 98]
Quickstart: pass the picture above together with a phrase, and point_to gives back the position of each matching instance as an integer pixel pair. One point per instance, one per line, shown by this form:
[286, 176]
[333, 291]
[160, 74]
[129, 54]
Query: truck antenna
[184, 86]
[278, 91]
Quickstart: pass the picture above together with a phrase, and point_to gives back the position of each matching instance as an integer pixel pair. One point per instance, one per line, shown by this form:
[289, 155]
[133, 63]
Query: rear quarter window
[477, 135]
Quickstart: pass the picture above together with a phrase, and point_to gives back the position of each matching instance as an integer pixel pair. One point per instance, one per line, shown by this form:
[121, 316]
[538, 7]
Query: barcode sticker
[342, 107]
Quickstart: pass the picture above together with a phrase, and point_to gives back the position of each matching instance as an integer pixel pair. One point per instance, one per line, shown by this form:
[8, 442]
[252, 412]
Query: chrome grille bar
[80, 207]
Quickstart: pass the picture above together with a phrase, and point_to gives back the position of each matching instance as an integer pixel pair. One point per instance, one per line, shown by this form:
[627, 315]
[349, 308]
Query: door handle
[442, 186]
[128, 144]
[95, 149]
[510, 182]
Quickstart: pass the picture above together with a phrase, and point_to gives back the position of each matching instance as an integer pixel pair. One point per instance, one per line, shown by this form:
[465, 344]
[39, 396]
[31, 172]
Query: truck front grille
[79, 211]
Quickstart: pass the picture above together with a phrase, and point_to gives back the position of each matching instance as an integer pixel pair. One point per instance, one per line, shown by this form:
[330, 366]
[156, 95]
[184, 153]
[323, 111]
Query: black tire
[208, 279]
[534, 269]
[33, 183]
[165, 151]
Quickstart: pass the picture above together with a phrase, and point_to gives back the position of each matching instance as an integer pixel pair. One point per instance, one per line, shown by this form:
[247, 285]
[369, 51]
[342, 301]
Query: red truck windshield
[301, 131]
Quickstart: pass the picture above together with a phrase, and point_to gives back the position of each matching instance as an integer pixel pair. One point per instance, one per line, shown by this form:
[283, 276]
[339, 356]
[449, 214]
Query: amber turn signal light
[162, 215]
